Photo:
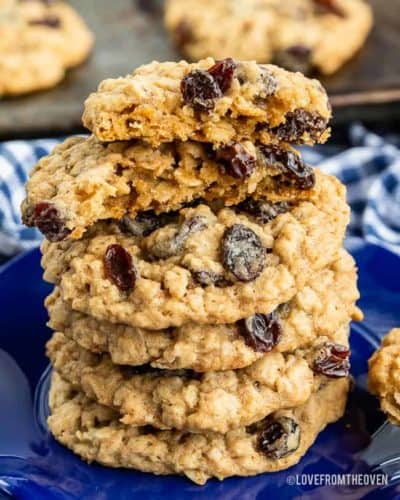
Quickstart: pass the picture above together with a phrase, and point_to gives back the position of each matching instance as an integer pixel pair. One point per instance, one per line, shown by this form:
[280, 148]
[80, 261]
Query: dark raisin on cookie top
[169, 247]
[263, 211]
[235, 160]
[223, 73]
[294, 170]
[119, 268]
[146, 222]
[261, 332]
[46, 217]
[279, 437]
[243, 253]
[201, 89]
[300, 122]
[332, 360]
[208, 278]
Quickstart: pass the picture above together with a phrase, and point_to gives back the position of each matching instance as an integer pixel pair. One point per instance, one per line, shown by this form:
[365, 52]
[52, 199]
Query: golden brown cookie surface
[208, 267]
[95, 433]
[209, 102]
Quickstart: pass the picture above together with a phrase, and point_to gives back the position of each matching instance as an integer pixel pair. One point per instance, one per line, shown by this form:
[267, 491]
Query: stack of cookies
[202, 295]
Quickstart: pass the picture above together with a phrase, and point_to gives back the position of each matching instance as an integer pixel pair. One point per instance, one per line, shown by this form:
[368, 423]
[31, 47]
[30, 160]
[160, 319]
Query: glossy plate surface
[33, 465]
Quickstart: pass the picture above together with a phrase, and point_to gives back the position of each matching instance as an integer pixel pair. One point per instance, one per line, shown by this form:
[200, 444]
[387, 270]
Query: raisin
[208, 278]
[236, 160]
[296, 58]
[263, 211]
[142, 225]
[332, 360]
[330, 6]
[279, 438]
[183, 33]
[47, 219]
[261, 332]
[119, 267]
[169, 247]
[243, 253]
[48, 21]
[298, 123]
[146, 222]
[200, 90]
[223, 72]
[294, 170]
[269, 83]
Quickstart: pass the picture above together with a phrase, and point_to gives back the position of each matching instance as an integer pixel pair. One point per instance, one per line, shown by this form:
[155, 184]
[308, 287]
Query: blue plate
[34, 466]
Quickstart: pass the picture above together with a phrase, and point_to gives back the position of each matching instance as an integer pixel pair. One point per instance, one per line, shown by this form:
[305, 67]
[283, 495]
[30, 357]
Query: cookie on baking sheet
[84, 181]
[321, 308]
[208, 101]
[300, 35]
[39, 41]
[212, 401]
[384, 375]
[95, 433]
[208, 266]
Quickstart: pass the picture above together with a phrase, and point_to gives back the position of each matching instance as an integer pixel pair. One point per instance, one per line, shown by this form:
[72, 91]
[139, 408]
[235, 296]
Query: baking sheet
[130, 33]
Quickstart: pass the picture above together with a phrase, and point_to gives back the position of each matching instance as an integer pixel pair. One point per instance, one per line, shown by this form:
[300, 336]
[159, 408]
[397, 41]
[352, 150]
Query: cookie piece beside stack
[384, 375]
[202, 295]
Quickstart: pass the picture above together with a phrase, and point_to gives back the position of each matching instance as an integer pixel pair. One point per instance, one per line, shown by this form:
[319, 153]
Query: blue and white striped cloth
[16, 160]
[370, 169]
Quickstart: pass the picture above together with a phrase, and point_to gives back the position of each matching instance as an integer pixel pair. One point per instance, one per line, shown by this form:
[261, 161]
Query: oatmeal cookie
[210, 267]
[384, 375]
[320, 309]
[84, 181]
[208, 101]
[39, 41]
[95, 433]
[301, 35]
[212, 401]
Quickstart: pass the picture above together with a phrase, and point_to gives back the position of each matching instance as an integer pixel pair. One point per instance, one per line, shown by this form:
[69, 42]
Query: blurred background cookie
[40, 41]
[301, 35]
